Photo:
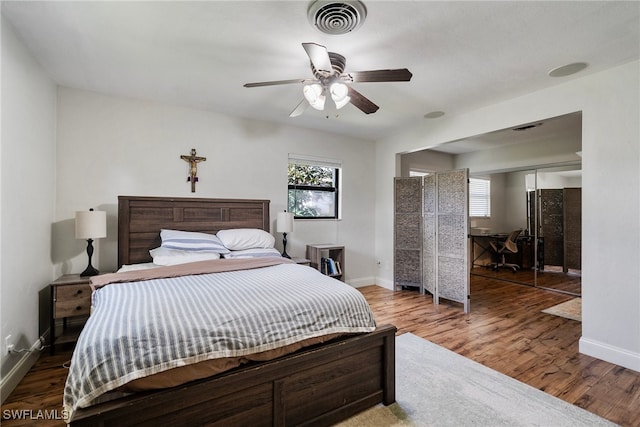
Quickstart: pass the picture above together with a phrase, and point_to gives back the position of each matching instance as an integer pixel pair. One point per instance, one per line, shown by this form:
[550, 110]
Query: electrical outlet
[7, 344]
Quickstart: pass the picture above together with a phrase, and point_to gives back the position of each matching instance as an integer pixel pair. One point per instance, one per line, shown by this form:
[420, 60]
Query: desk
[485, 252]
[482, 254]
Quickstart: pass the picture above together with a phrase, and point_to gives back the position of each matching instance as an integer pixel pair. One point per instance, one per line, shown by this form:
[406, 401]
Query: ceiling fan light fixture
[313, 93]
[328, 69]
[340, 94]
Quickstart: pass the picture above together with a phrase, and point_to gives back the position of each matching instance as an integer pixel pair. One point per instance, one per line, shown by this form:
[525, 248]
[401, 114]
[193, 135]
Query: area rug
[437, 387]
[571, 309]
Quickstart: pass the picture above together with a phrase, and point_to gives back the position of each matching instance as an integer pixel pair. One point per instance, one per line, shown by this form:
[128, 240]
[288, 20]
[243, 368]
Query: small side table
[320, 252]
[70, 297]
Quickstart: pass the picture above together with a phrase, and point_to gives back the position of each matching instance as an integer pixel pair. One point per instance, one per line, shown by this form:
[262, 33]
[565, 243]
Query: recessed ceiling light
[567, 70]
[434, 115]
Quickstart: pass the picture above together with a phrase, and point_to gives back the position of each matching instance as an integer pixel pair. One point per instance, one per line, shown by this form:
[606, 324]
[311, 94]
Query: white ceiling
[463, 55]
[567, 127]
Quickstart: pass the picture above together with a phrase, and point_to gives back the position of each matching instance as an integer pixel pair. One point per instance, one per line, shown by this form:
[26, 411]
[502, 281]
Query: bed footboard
[316, 386]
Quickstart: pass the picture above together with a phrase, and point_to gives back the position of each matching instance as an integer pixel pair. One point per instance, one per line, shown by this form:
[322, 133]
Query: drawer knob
[79, 291]
[78, 308]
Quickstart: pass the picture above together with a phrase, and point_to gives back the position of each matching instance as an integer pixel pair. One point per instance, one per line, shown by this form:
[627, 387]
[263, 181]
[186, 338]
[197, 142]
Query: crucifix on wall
[193, 168]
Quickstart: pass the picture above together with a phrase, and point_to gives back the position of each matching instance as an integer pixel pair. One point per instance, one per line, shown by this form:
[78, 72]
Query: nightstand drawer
[71, 300]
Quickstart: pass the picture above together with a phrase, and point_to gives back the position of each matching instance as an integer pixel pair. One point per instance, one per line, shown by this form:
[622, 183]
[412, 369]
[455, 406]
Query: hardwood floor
[505, 331]
[37, 400]
[548, 279]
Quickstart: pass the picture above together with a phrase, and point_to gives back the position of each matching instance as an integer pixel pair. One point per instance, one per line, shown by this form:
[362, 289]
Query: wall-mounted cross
[193, 168]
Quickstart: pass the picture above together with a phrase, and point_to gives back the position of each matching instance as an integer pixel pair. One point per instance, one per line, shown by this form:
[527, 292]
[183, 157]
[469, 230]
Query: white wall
[109, 146]
[556, 180]
[27, 196]
[426, 161]
[609, 102]
[515, 207]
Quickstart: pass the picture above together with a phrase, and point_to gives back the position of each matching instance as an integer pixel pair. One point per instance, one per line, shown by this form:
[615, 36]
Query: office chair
[507, 246]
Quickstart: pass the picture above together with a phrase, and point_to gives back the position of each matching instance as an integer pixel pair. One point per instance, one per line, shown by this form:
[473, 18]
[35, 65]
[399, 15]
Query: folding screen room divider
[431, 228]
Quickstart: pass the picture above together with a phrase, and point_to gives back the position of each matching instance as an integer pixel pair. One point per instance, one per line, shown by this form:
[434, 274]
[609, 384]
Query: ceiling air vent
[336, 17]
[527, 127]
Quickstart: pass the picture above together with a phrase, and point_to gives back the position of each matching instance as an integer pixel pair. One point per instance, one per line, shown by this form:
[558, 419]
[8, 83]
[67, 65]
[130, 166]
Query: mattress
[149, 322]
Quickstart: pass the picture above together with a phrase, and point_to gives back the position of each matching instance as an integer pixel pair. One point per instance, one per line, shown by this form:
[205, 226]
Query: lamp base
[284, 246]
[89, 271]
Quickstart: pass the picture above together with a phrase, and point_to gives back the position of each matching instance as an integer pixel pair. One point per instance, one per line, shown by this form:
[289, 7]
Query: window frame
[336, 165]
[484, 198]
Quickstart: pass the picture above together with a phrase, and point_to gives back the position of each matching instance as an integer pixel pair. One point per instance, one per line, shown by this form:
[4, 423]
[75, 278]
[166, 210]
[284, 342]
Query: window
[479, 197]
[314, 187]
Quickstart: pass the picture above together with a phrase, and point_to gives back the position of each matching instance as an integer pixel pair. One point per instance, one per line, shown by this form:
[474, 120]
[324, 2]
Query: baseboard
[358, 283]
[609, 353]
[385, 283]
[18, 372]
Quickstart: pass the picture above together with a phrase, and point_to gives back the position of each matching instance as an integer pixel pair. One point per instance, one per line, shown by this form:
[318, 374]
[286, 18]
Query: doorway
[531, 169]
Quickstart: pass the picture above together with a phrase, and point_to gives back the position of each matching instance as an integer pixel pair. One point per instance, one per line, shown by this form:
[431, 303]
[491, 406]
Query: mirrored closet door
[558, 224]
[545, 205]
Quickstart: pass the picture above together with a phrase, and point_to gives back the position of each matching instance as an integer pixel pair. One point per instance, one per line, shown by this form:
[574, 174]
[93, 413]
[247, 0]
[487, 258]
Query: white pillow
[239, 239]
[191, 241]
[136, 267]
[253, 253]
[164, 256]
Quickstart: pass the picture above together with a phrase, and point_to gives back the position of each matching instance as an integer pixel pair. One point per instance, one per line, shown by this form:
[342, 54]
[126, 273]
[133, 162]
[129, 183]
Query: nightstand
[321, 253]
[70, 298]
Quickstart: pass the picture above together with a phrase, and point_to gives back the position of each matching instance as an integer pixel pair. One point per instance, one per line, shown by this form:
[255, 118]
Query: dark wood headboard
[140, 220]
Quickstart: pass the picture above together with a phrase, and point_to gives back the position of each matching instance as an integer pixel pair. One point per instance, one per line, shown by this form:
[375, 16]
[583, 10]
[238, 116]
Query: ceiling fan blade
[360, 101]
[319, 57]
[279, 82]
[300, 108]
[397, 75]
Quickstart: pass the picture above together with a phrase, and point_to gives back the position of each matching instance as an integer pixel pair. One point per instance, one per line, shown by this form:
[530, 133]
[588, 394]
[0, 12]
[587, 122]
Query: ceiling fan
[332, 84]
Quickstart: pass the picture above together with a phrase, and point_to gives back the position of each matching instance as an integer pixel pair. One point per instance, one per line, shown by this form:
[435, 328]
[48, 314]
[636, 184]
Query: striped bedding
[140, 328]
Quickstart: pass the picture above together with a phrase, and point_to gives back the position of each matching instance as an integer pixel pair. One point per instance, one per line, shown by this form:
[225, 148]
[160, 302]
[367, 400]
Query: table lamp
[284, 225]
[90, 225]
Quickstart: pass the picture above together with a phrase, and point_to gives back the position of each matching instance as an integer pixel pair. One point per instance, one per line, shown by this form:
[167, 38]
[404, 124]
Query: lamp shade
[91, 224]
[314, 95]
[284, 222]
[340, 94]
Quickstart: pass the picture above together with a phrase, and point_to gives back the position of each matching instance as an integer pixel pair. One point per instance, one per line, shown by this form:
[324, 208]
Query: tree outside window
[313, 190]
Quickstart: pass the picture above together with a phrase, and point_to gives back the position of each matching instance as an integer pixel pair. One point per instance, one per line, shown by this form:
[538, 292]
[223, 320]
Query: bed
[317, 385]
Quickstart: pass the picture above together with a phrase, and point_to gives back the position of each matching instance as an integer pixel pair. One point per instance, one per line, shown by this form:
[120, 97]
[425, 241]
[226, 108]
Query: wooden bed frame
[318, 385]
